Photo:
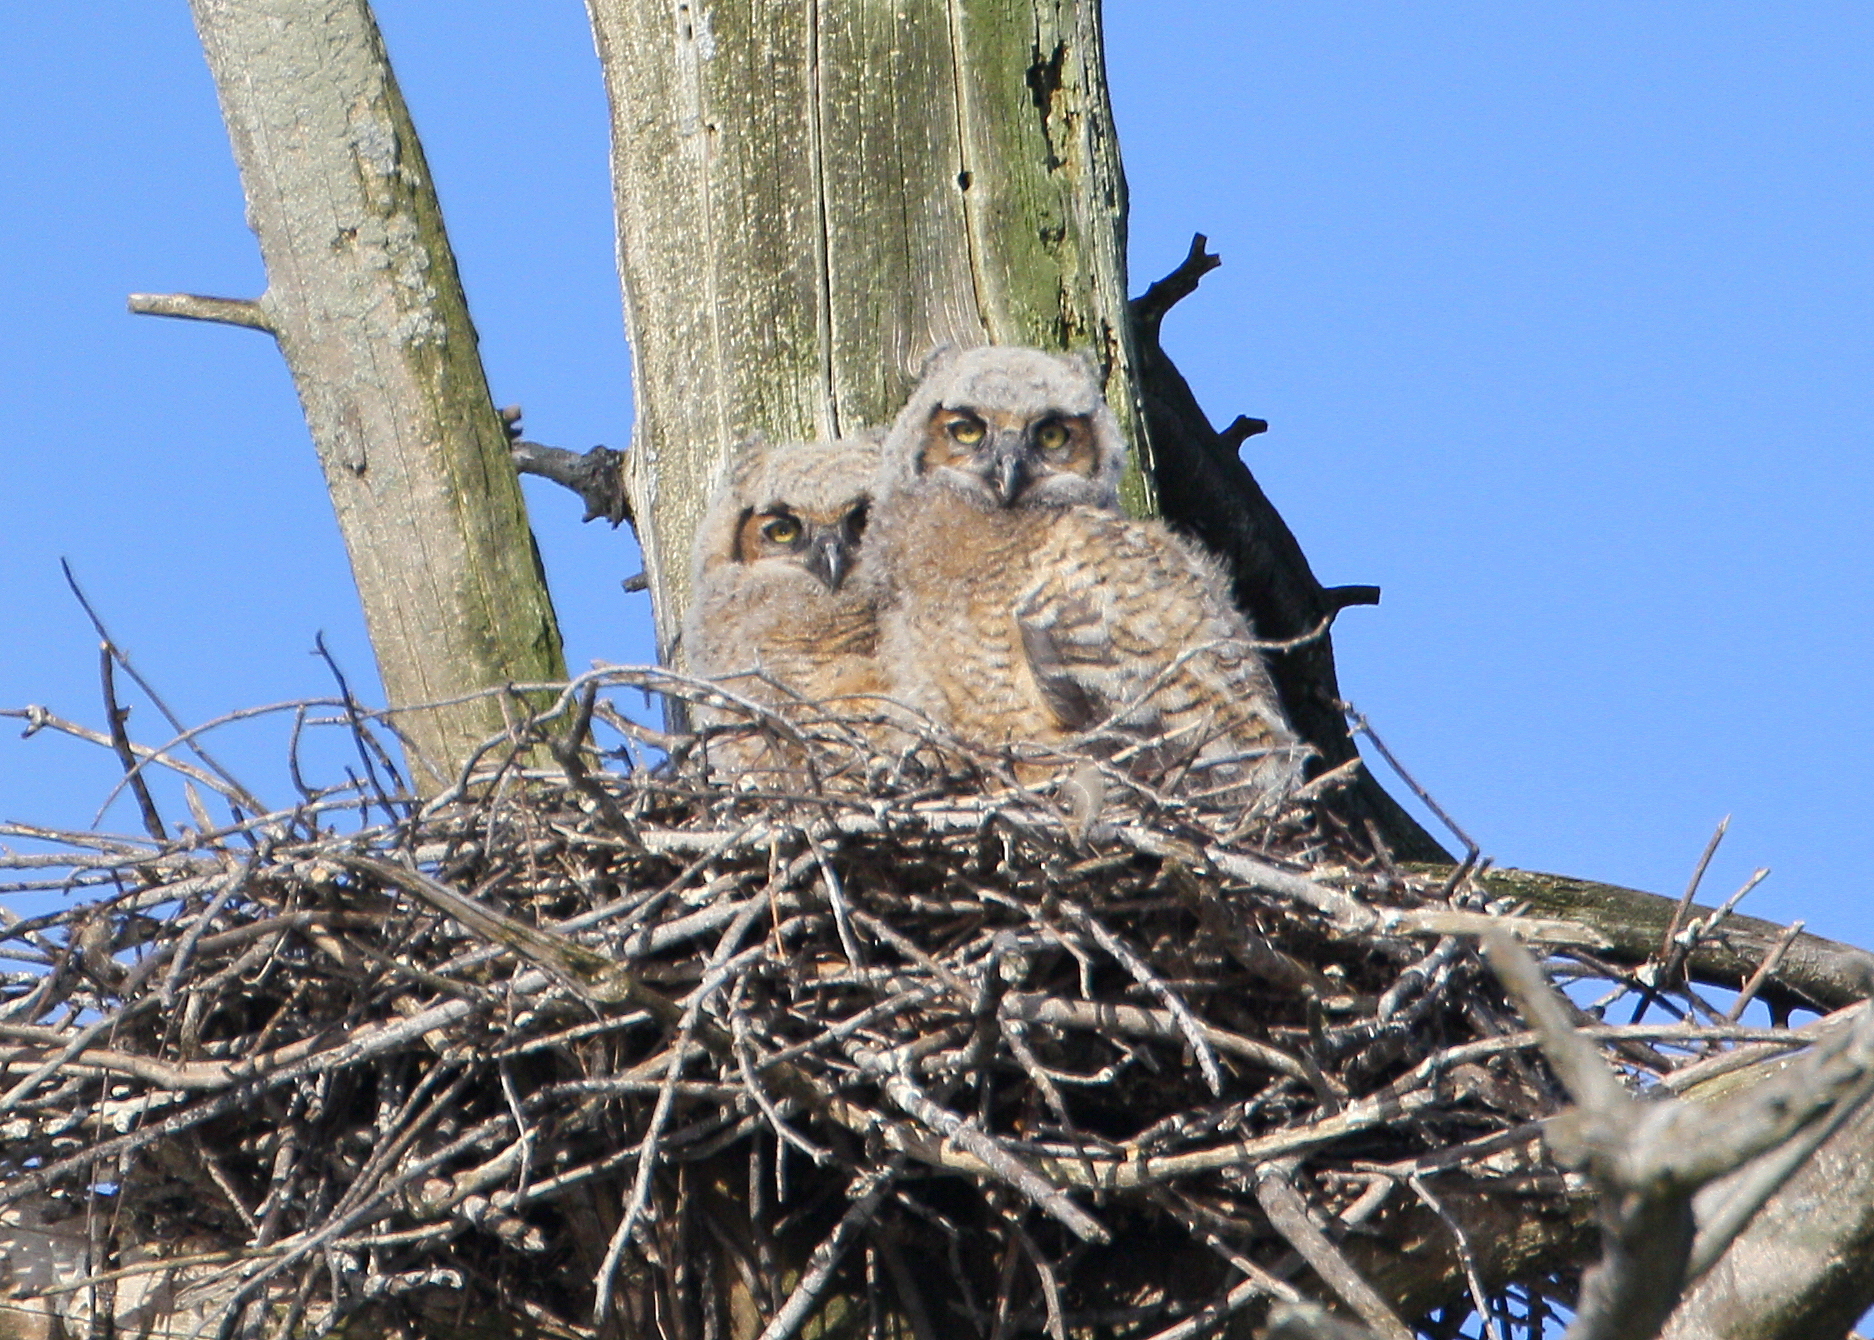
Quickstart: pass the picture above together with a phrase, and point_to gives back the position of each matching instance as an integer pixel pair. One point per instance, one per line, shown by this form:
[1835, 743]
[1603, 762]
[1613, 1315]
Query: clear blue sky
[1560, 315]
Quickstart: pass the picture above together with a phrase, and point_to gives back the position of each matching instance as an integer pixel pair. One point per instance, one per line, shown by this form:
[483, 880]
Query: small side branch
[1240, 430]
[1149, 308]
[597, 476]
[1340, 597]
[195, 307]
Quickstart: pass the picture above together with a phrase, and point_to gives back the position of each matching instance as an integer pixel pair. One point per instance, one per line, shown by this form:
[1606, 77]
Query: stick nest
[591, 1046]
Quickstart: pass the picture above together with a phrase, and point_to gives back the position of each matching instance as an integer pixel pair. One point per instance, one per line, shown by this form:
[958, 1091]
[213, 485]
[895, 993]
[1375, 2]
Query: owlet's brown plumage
[1023, 608]
[784, 597]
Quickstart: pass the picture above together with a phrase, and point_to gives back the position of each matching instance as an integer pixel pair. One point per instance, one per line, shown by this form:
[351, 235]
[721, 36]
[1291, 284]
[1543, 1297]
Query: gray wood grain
[363, 296]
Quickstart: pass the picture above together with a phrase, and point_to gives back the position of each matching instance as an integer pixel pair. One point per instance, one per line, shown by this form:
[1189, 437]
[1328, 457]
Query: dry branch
[1651, 1161]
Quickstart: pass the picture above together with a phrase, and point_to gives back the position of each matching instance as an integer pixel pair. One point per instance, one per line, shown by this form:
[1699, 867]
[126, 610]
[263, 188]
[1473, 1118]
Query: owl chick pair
[976, 571]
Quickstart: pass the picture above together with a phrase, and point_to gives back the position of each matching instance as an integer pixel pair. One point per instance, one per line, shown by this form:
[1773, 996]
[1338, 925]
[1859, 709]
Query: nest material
[914, 1049]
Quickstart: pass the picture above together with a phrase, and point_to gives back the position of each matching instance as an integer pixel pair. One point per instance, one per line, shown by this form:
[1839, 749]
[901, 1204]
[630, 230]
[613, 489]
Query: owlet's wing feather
[1132, 635]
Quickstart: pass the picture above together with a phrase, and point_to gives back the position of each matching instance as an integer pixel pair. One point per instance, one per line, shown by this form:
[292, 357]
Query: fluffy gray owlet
[1023, 608]
[784, 598]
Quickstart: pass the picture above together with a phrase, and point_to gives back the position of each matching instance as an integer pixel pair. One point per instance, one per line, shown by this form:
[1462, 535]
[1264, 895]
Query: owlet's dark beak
[827, 557]
[1009, 469]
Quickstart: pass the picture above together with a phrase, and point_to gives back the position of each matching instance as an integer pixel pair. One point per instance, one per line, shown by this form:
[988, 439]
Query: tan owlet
[1023, 608]
[784, 597]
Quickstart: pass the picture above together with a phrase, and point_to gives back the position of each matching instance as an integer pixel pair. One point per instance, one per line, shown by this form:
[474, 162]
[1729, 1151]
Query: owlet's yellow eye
[966, 430]
[1051, 436]
[781, 530]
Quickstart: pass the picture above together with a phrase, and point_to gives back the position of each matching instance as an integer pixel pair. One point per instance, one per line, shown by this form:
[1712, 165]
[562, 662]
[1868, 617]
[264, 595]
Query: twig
[120, 742]
[354, 718]
[1691, 886]
[679, 1055]
[1149, 308]
[1659, 971]
[1145, 977]
[1766, 970]
[1650, 1160]
[1306, 1321]
[1468, 1258]
[1361, 726]
[71, 580]
[826, 1257]
[904, 1091]
[1288, 1215]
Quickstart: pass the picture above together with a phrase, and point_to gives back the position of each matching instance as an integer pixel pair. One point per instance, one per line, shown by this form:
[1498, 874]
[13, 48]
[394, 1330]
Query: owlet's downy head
[787, 513]
[784, 605]
[1008, 428]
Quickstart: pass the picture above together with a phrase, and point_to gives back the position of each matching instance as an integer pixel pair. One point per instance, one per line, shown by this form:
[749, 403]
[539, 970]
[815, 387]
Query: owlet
[784, 596]
[1022, 608]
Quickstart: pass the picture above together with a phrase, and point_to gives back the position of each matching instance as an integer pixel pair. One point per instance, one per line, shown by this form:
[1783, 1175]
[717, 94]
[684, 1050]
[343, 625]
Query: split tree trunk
[363, 296]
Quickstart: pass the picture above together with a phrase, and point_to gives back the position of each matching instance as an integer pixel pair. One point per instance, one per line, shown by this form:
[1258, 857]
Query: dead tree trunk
[363, 296]
[811, 196]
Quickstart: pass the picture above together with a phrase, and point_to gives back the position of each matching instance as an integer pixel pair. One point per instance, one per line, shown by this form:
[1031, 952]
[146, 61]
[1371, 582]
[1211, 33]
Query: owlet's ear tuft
[742, 459]
[940, 356]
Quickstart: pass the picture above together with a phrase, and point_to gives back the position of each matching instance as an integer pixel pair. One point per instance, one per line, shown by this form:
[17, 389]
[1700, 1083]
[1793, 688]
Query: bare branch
[193, 307]
[1289, 1215]
[597, 476]
[1149, 308]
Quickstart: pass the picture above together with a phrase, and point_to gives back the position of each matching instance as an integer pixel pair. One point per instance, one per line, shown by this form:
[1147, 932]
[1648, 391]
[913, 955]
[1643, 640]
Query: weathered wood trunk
[1801, 1270]
[363, 296]
[812, 195]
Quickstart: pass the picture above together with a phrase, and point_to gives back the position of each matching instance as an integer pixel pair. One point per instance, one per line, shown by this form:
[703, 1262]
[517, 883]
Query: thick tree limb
[1815, 973]
[365, 300]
